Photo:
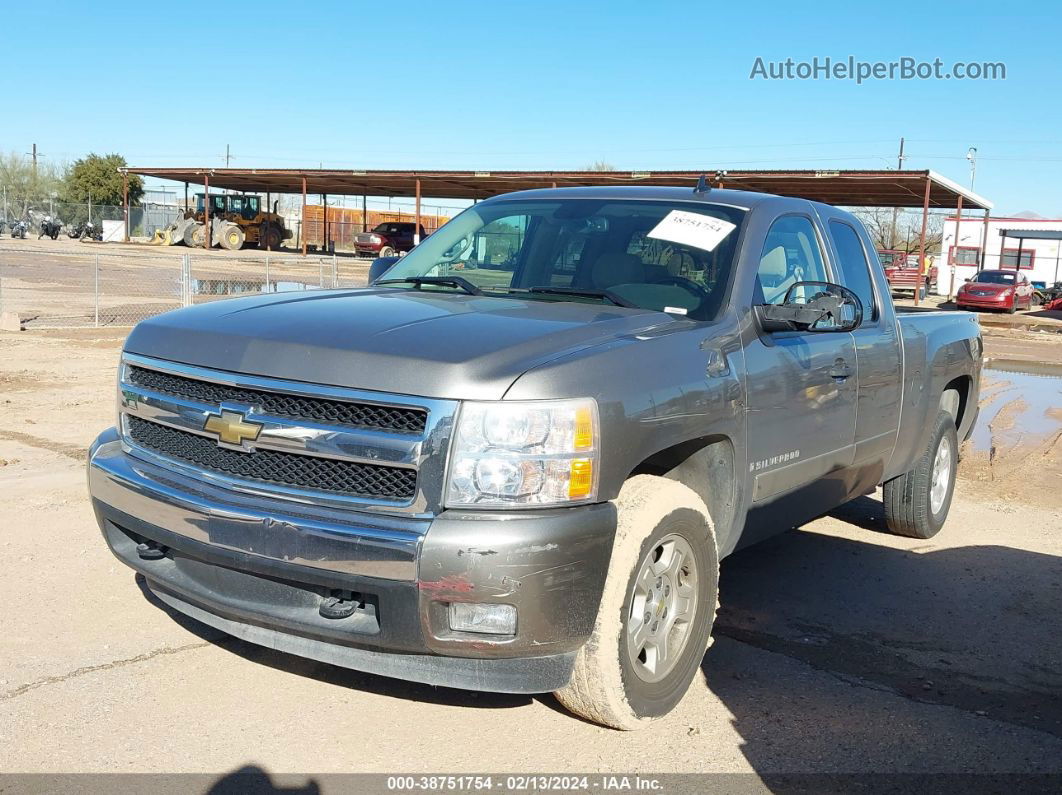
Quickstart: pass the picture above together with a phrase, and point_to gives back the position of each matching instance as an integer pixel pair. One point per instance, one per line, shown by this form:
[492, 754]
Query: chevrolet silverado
[522, 477]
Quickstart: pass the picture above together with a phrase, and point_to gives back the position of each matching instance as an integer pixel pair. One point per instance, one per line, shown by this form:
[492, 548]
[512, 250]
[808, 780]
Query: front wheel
[386, 251]
[917, 502]
[232, 237]
[656, 611]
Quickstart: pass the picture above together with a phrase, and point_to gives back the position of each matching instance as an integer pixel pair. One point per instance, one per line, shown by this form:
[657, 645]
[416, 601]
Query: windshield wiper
[581, 292]
[446, 281]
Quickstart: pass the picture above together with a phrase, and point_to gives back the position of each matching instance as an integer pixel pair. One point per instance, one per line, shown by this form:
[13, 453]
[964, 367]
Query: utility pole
[228, 157]
[34, 156]
[892, 233]
[971, 155]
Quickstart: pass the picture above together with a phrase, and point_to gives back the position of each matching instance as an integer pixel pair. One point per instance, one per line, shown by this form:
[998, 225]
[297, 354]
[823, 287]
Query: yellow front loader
[236, 220]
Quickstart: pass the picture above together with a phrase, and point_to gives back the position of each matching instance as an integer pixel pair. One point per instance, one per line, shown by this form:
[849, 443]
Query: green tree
[96, 178]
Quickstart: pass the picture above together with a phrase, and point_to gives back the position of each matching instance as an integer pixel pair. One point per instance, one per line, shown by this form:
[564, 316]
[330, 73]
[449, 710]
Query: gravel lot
[838, 648]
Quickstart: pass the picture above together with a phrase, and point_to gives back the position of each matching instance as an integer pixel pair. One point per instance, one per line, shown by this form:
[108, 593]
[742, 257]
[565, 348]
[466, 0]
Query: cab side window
[790, 254]
[854, 268]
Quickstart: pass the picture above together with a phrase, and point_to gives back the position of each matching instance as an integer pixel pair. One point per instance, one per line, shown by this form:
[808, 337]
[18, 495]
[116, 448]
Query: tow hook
[149, 550]
[342, 604]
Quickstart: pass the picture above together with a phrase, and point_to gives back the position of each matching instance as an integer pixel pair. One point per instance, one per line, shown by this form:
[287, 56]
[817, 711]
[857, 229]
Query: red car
[1000, 289]
[387, 239]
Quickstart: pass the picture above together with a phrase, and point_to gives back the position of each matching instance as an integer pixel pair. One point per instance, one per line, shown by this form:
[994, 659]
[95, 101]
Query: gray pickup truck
[514, 462]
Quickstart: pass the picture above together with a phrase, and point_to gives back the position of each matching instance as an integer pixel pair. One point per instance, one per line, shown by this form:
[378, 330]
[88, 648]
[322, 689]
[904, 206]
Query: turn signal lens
[581, 480]
[584, 429]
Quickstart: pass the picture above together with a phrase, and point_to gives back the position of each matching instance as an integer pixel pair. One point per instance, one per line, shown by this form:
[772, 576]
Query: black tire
[909, 508]
[189, 235]
[231, 237]
[272, 238]
[606, 686]
[1013, 307]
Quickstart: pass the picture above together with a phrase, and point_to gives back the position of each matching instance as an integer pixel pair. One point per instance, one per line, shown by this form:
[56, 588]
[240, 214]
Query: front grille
[272, 466]
[298, 407]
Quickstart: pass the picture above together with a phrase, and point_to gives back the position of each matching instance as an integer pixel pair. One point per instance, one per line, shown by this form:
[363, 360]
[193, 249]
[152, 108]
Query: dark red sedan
[1001, 289]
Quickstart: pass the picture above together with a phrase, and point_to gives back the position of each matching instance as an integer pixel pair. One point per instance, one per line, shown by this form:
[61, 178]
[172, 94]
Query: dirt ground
[64, 282]
[838, 648]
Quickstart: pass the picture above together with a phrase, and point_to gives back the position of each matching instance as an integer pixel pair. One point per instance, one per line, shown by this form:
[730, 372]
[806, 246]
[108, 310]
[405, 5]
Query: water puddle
[1048, 369]
[1021, 402]
[246, 286]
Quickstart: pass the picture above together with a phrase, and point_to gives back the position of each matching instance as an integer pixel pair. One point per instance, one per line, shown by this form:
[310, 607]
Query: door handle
[840, 370]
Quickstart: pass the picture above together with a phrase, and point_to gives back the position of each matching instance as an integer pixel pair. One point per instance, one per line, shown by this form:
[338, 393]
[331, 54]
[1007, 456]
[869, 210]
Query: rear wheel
[271, 237]
[656, 611]
[917, 502]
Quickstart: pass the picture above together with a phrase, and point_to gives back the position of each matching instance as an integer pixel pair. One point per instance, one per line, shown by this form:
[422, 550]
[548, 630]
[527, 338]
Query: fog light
[483, 618]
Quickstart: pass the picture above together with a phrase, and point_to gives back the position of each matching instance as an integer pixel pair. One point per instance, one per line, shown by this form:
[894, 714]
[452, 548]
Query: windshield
[994, 277]
[664, 256]
[392, 228]
[887, 258]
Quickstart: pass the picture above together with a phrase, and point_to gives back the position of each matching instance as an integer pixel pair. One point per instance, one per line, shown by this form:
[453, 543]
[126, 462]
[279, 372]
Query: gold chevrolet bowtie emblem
[231, 427]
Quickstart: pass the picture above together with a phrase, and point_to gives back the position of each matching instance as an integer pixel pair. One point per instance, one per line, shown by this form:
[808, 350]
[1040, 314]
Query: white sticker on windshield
[692, 229]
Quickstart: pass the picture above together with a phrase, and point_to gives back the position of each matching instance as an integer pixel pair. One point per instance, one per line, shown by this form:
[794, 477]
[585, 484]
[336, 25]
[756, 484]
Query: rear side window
[854, 266]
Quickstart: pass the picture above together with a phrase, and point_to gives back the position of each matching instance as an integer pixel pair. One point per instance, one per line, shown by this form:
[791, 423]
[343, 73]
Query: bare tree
[26, 186]
[599, 165]
[878, 221]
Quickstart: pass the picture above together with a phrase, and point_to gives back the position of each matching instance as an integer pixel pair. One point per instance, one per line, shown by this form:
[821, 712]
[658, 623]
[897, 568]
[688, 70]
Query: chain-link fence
[58, 289]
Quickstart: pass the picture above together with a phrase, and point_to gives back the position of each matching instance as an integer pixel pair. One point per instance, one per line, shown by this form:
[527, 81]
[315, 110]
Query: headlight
[539, 452]
[377, 239]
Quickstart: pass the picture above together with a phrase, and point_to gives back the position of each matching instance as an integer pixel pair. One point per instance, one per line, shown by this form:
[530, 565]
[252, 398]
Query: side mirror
[812, 306]
[379, 267]
[967, 280]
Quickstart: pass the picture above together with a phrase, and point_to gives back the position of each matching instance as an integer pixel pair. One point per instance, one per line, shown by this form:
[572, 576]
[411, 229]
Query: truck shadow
[331, 674]
[816, 632]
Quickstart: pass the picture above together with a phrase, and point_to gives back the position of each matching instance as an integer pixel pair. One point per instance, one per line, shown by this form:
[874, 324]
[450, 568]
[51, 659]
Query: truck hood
[448, 346]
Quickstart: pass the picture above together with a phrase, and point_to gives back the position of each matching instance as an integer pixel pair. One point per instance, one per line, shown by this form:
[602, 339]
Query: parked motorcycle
[19, 229]
[86, 230]
[50, 227]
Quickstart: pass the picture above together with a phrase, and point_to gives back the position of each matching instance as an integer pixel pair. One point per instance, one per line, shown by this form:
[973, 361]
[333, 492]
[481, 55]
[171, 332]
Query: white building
[1040, 259]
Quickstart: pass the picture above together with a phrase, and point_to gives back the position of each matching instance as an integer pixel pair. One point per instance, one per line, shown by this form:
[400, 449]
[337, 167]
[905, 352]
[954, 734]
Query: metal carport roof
[851, 188]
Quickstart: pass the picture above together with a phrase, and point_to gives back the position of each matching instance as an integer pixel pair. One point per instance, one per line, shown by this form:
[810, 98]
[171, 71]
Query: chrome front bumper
[260, 568]
[316, 537]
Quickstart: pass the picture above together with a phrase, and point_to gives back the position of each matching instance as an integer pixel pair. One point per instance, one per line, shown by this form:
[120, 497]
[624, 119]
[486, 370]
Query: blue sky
[538, 85]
